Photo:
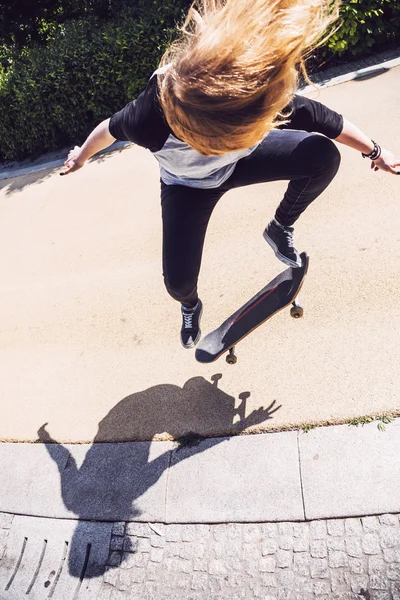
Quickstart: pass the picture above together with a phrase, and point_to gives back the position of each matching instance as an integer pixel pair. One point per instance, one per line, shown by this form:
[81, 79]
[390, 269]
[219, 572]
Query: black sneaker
[280, 239]
[190, 332]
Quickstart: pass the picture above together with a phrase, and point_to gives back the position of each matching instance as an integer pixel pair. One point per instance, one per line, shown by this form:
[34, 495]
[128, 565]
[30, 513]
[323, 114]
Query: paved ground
[139, 520]
[340, 559]
[337, 471]
[78, 333]
[88, 332]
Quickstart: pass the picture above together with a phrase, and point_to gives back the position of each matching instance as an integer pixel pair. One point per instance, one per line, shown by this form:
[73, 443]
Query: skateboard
[279, 293]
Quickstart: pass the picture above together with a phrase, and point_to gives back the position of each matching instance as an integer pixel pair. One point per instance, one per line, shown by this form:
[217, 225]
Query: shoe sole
[196, 341]
[282, 258]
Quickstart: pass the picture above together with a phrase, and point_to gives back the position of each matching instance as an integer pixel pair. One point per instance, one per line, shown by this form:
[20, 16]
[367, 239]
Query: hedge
[52, 96]
[363, 25]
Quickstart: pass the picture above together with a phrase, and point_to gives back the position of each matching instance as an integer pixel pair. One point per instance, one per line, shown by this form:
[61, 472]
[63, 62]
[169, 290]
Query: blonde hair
[234, 68]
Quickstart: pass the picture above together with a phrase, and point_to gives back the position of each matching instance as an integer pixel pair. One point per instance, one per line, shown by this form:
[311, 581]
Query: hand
[386, 162]
[73, 162]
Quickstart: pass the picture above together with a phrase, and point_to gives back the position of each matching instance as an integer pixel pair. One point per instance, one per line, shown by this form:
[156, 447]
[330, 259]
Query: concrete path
[141, 521]
[329, 472]
[85, 357]
[89, 337]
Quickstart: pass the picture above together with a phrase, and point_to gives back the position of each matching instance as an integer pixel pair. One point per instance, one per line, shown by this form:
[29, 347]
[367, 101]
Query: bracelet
[375, 153]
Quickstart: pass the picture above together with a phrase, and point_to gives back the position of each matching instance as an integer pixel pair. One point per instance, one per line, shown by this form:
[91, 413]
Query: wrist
[84, 155]
[373, 154]
[79, 161]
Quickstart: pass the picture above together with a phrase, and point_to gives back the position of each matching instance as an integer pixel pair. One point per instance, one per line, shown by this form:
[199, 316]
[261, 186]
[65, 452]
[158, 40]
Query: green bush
[25, 21]
[52, 95]
[364, 24]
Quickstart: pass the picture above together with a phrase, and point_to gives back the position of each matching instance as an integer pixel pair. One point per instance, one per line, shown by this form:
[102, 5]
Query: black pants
[308, 161]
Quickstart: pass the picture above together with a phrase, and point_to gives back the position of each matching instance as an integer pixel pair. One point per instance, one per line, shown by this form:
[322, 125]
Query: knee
[325, 155]
[178, 288]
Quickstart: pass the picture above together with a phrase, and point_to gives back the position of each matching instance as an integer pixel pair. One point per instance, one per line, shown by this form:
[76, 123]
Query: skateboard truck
[231, 359]
[296, 312]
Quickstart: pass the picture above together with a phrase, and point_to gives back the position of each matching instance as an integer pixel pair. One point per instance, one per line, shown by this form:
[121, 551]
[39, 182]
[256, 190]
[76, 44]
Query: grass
[383, 420]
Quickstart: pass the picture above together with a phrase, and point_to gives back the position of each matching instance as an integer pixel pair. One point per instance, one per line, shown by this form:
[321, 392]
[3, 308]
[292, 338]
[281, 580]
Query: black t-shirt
[142, 121]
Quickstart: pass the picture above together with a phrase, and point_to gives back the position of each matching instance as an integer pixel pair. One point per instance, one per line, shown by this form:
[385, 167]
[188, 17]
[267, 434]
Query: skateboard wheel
[231, 359]
[296, 312]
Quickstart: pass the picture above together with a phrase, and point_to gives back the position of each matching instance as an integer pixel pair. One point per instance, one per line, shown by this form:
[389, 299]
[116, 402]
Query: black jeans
[308, 161]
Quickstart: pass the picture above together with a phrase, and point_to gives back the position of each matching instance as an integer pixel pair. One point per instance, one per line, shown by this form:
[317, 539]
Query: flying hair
[234, 68]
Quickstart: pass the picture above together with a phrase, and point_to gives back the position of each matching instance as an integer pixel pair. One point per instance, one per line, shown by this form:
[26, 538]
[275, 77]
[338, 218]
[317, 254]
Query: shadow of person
[32, 172]
[16, 183]
[168, 412]
[112, 478]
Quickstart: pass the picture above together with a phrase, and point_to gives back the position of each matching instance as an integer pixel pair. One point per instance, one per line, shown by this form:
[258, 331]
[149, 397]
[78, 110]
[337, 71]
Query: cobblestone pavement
[340, 559]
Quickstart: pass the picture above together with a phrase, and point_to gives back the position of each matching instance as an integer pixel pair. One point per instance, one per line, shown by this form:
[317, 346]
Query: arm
[310, 115]
[141, 121]
[99, 139]
[353, 137]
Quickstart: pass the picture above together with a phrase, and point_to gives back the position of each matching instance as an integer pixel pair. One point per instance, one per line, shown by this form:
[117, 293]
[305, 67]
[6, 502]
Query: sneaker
[280, 238]
[190, 332]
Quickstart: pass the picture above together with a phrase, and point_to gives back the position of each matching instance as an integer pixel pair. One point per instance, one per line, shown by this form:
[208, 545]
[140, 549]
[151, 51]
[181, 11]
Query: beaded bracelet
[376, 152]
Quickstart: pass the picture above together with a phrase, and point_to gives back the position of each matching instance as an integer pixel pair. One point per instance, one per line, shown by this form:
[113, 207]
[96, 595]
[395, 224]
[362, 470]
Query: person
[222, 112]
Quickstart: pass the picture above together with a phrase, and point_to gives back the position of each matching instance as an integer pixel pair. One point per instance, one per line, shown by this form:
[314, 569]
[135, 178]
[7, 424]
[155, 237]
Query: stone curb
[330, 472]
[331, 77]
[359, 72]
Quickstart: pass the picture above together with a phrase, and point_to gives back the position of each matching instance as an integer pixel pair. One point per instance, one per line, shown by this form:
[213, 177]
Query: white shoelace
[289, 238]
[188, 319]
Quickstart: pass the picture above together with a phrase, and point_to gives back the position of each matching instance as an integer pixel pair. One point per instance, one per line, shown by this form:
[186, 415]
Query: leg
[186, 213]
[319, 156]
[308, 161]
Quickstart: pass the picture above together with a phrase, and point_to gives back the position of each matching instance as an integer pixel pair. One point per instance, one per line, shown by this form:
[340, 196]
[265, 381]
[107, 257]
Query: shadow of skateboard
[279, 293]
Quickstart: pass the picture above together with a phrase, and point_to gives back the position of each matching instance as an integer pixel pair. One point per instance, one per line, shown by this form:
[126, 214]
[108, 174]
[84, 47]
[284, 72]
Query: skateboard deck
[279, 293]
